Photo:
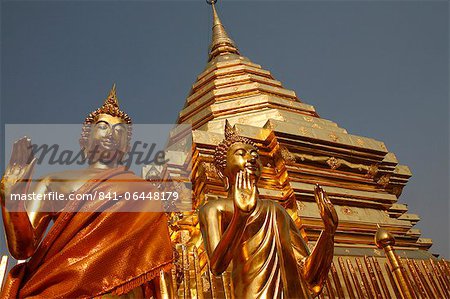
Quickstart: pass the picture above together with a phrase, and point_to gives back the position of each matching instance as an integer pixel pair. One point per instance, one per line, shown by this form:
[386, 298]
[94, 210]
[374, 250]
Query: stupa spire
[221, 43]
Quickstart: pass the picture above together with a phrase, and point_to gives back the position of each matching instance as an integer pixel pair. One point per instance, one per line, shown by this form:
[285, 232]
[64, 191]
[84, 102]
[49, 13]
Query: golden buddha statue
[109, 253]
[269, 256]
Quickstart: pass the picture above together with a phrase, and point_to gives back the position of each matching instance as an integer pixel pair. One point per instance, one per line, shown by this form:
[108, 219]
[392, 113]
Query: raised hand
[19, 170]
[326, 208]
[244, 192]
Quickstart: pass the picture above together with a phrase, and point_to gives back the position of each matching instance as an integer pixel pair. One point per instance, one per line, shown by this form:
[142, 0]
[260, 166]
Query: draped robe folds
[265, 266]
[88, 254]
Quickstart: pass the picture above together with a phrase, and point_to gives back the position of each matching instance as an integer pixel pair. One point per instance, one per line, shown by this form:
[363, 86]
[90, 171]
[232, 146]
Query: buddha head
[106, 131]
[236, 153]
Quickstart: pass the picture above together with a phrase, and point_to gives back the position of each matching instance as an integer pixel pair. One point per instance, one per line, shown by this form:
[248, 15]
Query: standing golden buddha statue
[103, 251]
[269, 257]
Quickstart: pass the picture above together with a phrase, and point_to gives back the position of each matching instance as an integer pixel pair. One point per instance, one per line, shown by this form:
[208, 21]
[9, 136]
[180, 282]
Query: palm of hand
[18, 172]
[244, 192]
[326, 208]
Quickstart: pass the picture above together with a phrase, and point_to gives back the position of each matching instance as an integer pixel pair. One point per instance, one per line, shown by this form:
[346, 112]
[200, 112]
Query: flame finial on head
[113, 96]
[230, 132]
[111, 106]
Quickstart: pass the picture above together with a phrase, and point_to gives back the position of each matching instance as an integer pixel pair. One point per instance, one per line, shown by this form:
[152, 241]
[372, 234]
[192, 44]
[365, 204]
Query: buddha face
[108, 136]
[242, 157]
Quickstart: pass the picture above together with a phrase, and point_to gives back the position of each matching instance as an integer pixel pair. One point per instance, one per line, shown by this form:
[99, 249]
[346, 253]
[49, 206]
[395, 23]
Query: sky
[377, 68]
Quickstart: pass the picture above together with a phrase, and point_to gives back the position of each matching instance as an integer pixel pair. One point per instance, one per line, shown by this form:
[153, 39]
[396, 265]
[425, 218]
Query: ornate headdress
[231, 137]
[110, 107]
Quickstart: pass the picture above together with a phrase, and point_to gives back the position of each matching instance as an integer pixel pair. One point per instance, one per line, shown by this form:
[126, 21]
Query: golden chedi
[298, 149]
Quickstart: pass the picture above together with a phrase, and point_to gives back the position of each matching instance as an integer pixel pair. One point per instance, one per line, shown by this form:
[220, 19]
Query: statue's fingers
[318, 188]
[254, 192]
[321, 208]
[239, 180]
[22, 151]
[317, 196]
[333, 221]
[30, 154]
[14, 153]
[334, 213]
[316, 191]
[236, 181]
[326, 200]
[249, 181]
[331, 211]
[328, 212]
[25, 150]
[326, 197]
[253, 182]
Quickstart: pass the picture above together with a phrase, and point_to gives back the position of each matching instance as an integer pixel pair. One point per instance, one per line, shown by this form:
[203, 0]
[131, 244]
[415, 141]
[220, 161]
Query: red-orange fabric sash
[87, 254]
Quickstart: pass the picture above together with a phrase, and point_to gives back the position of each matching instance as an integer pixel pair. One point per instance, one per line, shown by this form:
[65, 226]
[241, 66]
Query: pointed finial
[112, 97]
[221, 43]
[229, 130]
[383, 238]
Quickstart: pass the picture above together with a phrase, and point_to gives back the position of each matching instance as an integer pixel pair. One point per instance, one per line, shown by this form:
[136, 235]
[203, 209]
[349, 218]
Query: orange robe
[88, 254]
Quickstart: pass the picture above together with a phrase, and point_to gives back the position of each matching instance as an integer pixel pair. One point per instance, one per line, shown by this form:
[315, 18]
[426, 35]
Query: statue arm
[314, 266]
[23, 231]
[220, 248]
[318, 263]
[301, 250]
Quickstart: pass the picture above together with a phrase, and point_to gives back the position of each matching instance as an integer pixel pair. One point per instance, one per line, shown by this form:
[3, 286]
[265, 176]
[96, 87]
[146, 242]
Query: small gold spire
[113, 96]
[221, 43]
[385, 240]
